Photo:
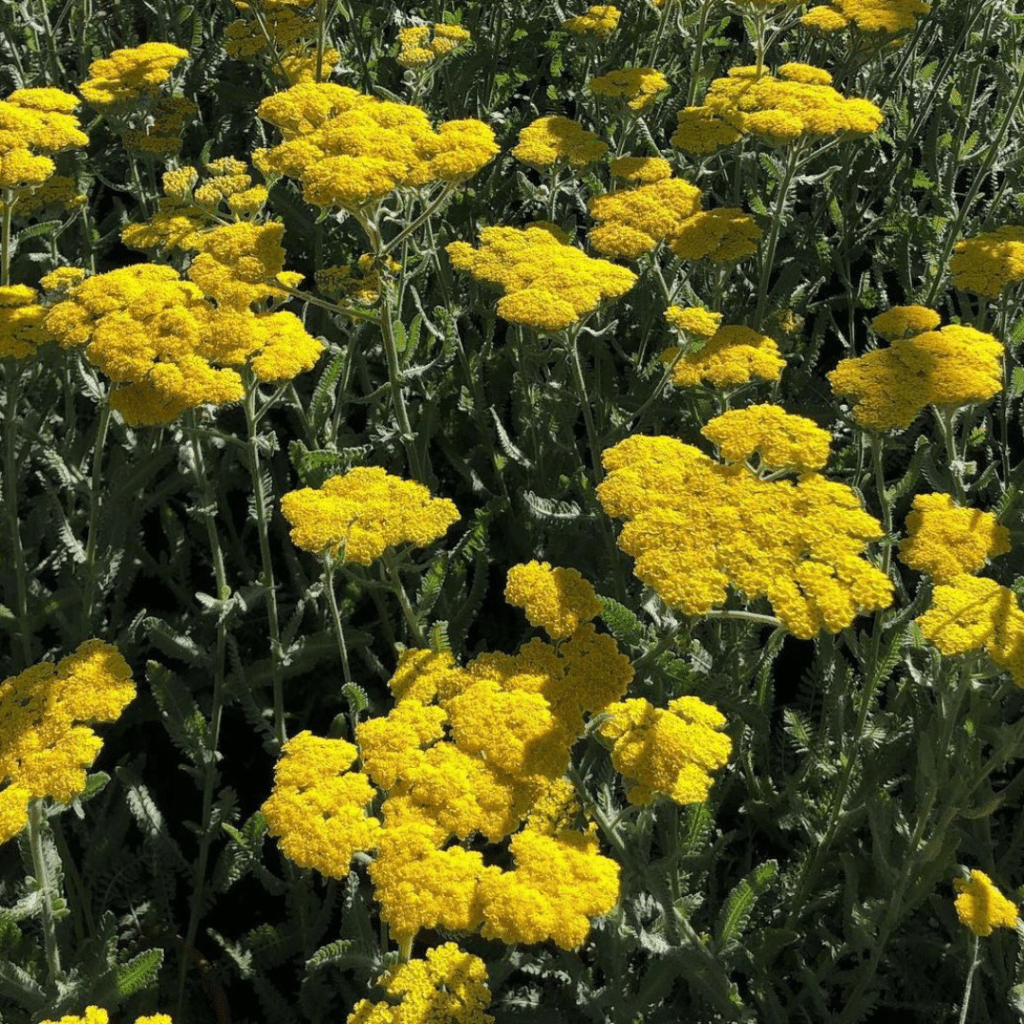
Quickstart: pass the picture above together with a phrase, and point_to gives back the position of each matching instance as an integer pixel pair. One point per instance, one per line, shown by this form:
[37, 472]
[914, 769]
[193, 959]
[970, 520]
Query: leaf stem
[48, 888]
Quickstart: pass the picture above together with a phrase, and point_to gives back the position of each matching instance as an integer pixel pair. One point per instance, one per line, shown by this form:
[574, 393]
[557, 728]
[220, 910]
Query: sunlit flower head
[981, 906]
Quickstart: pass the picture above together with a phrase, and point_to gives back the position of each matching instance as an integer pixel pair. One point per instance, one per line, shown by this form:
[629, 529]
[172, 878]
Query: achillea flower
[723, 236]
[697, 527]
[449, 986]
[559, 884]
[318, 806]
[981, 906]
[952, 367]
[732, 355]
[667, 752]
[422, 674]
[548, 284]
[282, 29]
[694, 320]
[988, 264]
[640, 170]
[360, 514]
[130, 75]
[945, 540]
[782, 440]
[638, 88]
[905, 321]
[22, 322]
[35, 124]
[424, 45]
[159, 133]
[633, 222]
[96, 1015]
[976, 614]
[557, 809]
[799, 104]
[558, 140]
[600, 21]
[557, 600]
[350, 150]
[875, 16]
[46, 747]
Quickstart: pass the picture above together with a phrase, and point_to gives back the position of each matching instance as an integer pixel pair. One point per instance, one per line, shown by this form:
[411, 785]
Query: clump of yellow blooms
[669, 752]
[360, 285]
[732, 355]
[283, 33]
[951, 367]
[640, 170]
[425, 45]
[988, 264]
[318, 806]
[448, 986]
[799, 104]
[131, 75]
[976, 614]
[945, 540]
[600, 21]
[697, 527]
[876, 16]
[555, 140]
[360, 514]
[557, 600]
[22, 322]
[981, 906]
[97, 1015]
[47, 747]
[35, 124]
[905, 321]
[724, 235]
[694, 320]
[633, 222]
[782, 440]
[350, 150]
[638, 88]
[160, 131]
[548, 284]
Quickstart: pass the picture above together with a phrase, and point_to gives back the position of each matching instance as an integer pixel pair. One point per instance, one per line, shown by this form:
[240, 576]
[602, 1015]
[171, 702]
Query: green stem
[263, 529]
[6, 213]
[581, 395]
[792, 162]
[48, 888]
[394, 579]
[742, 616]
[339, 631]
[431, 208]
[975, 960]
[89, 567]
[12, 381]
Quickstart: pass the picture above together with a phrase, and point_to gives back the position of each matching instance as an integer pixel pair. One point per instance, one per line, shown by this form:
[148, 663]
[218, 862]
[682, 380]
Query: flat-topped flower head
[45, 745]
[694, 320]
[96, 1015]
[425, 45]
[670, 752]
[781, 439]
[557, 600]
[554, 140]
[951, 367]
[632, 222]
[318, 807]
[548, 284]
[640, 170]
[130, 75]
[905, 321]
[945, 540]
[990, 263]
[22, 322]
[981, 906]
[725, 235]
[638, 88]
[876, 17]
[600, 22]
[732, 355]
[359, 515]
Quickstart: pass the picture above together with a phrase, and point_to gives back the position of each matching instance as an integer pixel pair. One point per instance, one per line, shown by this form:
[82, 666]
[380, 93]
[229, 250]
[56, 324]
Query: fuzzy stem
[975, 960]
[46, 884]
[12, 381]
[394, 579]
[773, 237]
[95, 501]
[339, 630]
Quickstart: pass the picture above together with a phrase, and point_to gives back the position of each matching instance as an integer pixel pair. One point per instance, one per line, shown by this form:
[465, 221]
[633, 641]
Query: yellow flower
[318, 807]
[637, 87]
[981, 906]
[901, 321]
[881, 16]
[557, 600]
[988, 264]
[96, 1015]
[600, 21]
[782, 440]
[422, 45]
[22, 322]
[946, 540]
[723, 236]
[46, 748]
[632, 222]
[128, 75]
[667, 753]
[362, 513]
[449, 986]
[694, 320]
[700, 131]
[640, 170]
[555, 139]
[732, 355]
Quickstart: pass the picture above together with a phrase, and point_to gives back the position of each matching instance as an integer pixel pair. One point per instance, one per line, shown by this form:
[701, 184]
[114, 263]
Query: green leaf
[139, 973]
[182, 718]
[622, 623]
[735, 915]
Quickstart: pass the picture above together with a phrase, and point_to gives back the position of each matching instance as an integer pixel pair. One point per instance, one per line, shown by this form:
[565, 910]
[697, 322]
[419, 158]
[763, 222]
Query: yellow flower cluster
[424, 45]
[600, 21]
[945, 540]
[318, 806]
[799, 104]
[694, 320]
[633, 222]
[172, 349]
[667, 752]
[981, 906]
[548, 284]
[556, 140]
[46, 747]
[732, 355]
[130, 75]
[97, 1015]
[905, 321]
[951, 367]
[22, 322]
[724, 235]
[362, 513]
[885, 16]
[976, 614]
[350, 150]
[35, 124]
[988, 264]
[162, 124]
[448, 987]
[638, 88]
[557, 600]
[286, 34]
[640, 170]
[782, 440]
[697, 527]
[361, 285]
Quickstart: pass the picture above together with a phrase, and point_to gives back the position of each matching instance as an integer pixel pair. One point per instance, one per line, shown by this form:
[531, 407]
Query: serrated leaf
[738, 907]
[181, 716]
[139, 973]
[622, 623]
